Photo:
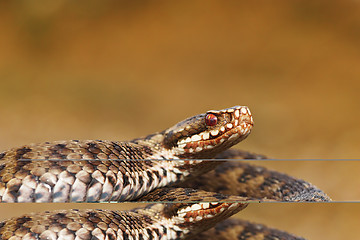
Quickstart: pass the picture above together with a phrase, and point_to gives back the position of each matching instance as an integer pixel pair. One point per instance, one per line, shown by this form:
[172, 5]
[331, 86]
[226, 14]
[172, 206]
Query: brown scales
[82, 223]
[255, 182]
[100, 165]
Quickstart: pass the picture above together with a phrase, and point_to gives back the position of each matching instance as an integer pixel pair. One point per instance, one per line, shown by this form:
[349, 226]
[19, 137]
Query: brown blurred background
[119, 70]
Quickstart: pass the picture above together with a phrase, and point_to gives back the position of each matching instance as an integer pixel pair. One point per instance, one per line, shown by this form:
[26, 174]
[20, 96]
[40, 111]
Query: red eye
[210, 119]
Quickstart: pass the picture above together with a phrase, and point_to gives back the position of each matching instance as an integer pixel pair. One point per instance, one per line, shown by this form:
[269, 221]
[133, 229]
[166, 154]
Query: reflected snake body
[156, 221]
[93, 171]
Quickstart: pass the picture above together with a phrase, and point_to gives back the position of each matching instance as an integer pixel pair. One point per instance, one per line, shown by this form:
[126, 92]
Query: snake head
[193, 218]
[205, 135]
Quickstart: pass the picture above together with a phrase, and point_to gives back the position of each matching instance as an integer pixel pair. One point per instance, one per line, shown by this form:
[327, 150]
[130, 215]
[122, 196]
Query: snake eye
[210, 119]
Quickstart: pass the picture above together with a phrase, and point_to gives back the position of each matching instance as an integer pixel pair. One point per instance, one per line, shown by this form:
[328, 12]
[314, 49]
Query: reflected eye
[210, 119]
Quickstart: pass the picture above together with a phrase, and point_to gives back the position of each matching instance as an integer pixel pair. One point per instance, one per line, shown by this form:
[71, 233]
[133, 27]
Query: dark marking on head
[2, 155]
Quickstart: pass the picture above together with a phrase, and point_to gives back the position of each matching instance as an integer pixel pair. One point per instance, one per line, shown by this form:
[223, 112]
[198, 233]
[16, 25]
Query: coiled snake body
[93, 171]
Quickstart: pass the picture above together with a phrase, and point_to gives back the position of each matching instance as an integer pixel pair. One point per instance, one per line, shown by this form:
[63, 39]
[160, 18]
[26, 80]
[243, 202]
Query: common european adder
[169, 166]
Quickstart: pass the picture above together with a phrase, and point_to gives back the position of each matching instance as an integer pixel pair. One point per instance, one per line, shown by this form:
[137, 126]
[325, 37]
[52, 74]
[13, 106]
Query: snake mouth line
[201, 211]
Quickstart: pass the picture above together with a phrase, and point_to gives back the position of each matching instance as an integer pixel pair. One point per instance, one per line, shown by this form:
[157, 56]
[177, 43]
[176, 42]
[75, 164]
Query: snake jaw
[200, 211]
[202, 138]
[197, 217]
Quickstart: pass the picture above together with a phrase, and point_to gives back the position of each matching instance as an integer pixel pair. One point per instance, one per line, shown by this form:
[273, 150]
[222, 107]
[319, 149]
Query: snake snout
[246, 115]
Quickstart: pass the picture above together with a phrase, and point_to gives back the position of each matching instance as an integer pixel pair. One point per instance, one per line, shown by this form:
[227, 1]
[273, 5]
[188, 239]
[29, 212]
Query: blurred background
[118, 70]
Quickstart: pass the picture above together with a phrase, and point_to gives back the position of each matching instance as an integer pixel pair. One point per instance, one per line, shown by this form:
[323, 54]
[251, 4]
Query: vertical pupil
[210, 119]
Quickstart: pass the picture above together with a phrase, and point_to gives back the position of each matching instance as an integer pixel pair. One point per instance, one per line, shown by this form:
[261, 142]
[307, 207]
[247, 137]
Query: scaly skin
[90, 171]
[255, 182]
[71, 171]
[156, 221]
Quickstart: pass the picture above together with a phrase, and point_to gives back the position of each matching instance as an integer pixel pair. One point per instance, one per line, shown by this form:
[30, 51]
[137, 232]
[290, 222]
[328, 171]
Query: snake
[152, 168]
[155, 221]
